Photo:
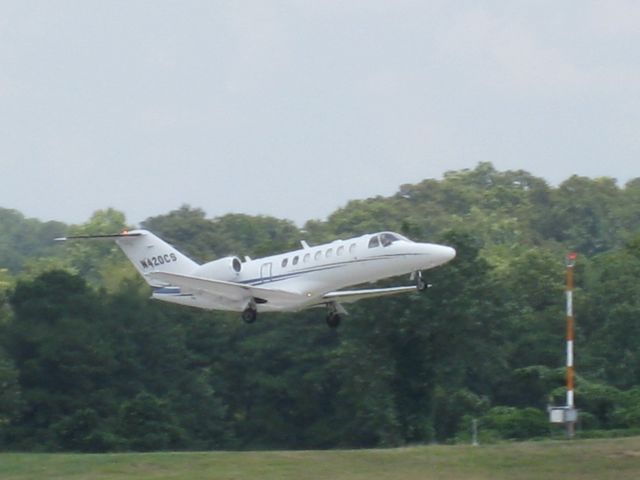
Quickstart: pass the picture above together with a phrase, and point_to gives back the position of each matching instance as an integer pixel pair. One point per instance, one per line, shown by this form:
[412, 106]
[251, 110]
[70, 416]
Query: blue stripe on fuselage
[170, 291]
[286, 276]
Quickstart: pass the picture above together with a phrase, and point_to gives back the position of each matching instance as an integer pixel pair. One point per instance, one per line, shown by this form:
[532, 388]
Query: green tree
[146, 423]
[171, 353]
[232, 234]
[89, 258]
[585, 214]
[58, 346]
[10, 397]
[22, 238]
[609, 318]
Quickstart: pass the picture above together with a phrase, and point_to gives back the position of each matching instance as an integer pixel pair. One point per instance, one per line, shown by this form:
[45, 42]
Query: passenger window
[330, 252]
[284, 262]
[352, 248]
[318, 255]
[374, 242]
[340, 250]
[295, 260]
[307, 257]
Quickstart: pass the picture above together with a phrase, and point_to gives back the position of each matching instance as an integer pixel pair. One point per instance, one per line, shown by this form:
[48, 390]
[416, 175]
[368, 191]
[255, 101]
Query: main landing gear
[334, 319]
[249, 314]
[336, 311]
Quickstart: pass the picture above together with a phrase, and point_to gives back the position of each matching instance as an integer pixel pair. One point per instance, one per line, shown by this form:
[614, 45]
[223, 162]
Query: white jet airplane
[291, 281]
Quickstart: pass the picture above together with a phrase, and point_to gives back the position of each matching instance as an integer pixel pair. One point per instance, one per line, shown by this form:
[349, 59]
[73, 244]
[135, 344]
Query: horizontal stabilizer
[349, 296]
[87, 237]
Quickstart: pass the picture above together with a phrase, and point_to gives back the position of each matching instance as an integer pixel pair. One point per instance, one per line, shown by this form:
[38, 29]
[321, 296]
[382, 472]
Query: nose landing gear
[420, 283]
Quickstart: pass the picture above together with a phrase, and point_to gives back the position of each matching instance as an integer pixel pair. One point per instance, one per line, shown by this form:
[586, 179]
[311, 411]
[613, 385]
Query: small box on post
[563, 415]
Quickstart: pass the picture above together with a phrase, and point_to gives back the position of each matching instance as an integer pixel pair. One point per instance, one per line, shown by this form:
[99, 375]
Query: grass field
[581, 459]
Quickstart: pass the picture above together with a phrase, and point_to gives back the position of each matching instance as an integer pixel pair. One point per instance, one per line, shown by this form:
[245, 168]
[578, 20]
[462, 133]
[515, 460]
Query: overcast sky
[292, 108]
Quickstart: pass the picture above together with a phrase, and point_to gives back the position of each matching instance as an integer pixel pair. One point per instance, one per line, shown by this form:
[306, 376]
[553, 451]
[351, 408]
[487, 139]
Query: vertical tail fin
[148, 253]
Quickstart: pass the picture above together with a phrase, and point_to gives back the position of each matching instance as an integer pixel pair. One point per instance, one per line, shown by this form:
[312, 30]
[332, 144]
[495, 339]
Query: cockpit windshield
[385, 239]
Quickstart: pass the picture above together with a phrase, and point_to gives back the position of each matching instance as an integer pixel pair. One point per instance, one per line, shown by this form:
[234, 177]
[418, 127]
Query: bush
[516, 423]
[147, 424]
[84, 431]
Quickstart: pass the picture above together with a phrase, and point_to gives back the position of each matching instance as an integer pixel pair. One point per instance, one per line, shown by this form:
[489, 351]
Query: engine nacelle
[227, 269]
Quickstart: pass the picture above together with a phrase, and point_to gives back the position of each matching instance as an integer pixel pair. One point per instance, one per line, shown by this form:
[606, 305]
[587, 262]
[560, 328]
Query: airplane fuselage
[312, 272]
[304, 278]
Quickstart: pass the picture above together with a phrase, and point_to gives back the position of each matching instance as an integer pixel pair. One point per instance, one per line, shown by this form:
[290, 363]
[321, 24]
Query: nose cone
[431, 255]
[445, 254]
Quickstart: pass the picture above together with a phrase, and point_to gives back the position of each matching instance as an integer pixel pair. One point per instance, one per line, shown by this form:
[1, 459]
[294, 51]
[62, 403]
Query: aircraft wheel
[249, 315]
[333, 320]
[420, 285]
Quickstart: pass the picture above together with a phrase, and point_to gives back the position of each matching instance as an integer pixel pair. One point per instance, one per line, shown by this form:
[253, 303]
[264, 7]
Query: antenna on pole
[570, 422]
[568, 414]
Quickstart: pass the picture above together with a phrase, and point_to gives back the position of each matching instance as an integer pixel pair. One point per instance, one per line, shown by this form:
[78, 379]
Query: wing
[231, 291]
[350, 296]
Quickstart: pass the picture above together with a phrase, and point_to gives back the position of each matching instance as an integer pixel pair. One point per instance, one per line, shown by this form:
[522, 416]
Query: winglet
[304, 244]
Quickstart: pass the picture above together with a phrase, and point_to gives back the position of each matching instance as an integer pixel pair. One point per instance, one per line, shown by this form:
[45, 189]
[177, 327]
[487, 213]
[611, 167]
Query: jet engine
[227, 269]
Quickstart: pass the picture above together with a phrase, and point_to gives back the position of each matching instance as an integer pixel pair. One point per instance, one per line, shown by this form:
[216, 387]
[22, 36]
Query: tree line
[89, 363]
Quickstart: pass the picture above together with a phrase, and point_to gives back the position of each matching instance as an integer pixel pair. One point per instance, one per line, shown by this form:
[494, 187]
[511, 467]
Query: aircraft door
[265, 272]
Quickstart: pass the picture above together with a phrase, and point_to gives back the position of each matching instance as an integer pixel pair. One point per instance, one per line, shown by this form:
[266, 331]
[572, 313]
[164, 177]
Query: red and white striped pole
[571, 261]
